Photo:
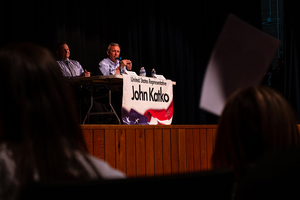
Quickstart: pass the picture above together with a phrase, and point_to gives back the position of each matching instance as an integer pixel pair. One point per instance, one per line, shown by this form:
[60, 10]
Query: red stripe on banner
[160, 114]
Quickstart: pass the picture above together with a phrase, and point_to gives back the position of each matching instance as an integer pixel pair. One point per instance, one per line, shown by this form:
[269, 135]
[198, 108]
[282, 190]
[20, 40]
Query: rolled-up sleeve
[104, 68]
[108, 67]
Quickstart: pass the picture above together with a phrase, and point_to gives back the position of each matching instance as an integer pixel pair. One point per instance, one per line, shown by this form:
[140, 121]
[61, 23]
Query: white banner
[147, 100]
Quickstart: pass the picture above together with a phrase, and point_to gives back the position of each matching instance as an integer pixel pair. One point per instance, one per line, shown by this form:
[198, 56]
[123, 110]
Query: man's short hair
[60, 43]
[112, 44]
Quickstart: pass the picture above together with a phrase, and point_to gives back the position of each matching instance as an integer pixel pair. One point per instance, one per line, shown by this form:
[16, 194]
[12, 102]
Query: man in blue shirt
[111, 65]
[69, 68]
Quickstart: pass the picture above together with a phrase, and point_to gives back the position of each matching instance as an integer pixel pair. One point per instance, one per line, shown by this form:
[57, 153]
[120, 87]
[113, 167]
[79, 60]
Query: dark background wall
[176, 38]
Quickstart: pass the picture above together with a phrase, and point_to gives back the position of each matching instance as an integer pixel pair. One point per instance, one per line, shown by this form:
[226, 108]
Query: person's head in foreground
[40, 136]
[254, 122]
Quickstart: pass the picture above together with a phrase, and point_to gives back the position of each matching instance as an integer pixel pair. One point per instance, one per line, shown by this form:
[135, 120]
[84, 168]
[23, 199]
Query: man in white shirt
[111, 65]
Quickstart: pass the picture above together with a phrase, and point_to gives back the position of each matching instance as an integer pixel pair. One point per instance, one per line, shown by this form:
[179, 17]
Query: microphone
[119, 58]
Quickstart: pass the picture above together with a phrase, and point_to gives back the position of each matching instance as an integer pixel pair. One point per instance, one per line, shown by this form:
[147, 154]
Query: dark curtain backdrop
[176, 38]
[291, 84]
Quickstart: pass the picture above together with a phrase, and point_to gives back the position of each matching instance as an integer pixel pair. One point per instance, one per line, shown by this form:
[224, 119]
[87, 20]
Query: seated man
[72, 68]
[69, 68]
[111, 65]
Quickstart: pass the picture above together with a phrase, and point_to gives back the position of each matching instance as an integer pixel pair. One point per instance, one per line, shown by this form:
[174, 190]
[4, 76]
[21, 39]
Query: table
[112, 81]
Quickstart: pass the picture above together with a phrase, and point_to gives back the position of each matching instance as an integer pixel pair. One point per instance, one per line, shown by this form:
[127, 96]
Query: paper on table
[131, 73]
[161, 77]
[241, 57]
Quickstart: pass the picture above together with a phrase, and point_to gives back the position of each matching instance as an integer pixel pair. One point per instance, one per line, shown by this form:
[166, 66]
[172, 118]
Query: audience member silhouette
[275, 176]
[255, 121]
[40, 136]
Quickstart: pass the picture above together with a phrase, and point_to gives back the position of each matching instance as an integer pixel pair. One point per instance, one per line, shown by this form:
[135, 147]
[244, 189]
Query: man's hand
[127, 64]
[85, 74]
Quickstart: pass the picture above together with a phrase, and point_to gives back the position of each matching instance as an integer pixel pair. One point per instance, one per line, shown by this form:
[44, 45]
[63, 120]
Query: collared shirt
[108, 67]
[73, 64]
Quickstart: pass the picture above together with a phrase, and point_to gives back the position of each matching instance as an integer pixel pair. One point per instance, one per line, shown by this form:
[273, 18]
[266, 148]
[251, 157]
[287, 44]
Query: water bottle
[153, 73]
[143, 72]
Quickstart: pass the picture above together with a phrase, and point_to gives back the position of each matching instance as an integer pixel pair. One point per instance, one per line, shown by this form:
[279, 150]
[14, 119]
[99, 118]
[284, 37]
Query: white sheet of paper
[131, 73]
[161, 77]
[240, 58]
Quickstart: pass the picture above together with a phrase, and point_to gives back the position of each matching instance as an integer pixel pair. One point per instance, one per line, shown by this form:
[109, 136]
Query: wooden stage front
[152, 150]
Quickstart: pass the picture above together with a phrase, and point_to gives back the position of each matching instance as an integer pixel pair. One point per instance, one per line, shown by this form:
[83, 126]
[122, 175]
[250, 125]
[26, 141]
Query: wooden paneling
[149, 152]
[141, 151]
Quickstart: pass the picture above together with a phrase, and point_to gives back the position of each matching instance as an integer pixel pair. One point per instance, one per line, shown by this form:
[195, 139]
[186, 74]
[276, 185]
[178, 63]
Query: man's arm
[104, 68]
[82, 73]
